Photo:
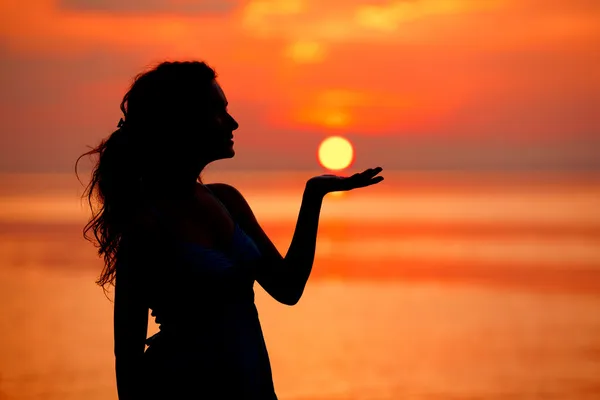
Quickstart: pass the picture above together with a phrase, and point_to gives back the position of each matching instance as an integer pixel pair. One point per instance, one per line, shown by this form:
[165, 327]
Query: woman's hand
[323, 184]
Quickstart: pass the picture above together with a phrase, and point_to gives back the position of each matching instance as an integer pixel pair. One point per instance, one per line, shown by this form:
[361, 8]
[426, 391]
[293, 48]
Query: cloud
[351, 20]
[389, 17]
[479, 23]
[152, 6]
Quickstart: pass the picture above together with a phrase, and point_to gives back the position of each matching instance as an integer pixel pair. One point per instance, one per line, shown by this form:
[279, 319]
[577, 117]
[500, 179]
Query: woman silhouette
[189, 251]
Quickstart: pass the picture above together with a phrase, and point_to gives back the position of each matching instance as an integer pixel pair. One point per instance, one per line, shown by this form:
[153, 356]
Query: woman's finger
[359, 183]
[372, 171]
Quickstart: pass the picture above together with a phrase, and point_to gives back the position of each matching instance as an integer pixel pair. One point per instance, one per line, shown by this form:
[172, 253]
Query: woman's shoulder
[228, 194]
[233, 199]
[224, 190]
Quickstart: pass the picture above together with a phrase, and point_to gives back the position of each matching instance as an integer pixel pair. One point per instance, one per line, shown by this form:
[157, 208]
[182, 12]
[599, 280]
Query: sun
[335, 153]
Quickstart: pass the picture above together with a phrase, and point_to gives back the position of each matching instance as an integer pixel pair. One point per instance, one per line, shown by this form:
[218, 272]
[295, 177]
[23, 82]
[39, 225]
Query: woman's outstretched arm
[291, 274]
[284, 278]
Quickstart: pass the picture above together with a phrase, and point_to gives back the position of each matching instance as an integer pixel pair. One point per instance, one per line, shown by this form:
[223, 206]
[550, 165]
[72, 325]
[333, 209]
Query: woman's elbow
[282, 285]
[291, 297]
[284, 294]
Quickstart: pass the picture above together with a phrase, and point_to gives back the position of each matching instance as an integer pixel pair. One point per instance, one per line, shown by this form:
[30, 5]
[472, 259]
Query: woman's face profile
[216, 139]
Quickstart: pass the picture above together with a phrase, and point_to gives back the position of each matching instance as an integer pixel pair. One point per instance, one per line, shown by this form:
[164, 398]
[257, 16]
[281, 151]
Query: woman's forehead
[219, 92]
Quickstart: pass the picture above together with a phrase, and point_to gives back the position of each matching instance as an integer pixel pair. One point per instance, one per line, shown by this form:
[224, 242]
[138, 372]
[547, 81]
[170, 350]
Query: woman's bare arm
[284, 278]
[130, 329]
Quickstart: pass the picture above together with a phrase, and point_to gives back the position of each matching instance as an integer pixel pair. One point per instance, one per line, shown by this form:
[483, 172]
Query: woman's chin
[224, 154]
[229, 153]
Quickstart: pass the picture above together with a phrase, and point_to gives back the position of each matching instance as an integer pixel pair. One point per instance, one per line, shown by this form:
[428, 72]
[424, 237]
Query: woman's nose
[234, 124]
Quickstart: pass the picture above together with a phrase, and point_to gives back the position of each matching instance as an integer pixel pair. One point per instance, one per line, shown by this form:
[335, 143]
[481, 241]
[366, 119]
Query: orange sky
[414, 83]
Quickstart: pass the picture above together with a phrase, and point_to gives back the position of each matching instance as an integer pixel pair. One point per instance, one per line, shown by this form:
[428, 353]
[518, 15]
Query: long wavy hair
[160, 109]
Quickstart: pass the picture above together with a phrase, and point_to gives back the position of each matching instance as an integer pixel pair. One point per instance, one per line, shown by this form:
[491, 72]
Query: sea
[436, 285]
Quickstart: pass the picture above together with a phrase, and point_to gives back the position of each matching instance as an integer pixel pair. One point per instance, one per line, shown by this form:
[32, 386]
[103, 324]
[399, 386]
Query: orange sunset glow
[472, 75]
[471, 272]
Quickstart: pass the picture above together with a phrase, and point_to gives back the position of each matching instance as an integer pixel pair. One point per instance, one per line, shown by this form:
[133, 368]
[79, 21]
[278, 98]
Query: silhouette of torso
[210, 340]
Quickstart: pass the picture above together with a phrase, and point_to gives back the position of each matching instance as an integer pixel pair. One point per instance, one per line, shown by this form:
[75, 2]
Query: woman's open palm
[327, 183]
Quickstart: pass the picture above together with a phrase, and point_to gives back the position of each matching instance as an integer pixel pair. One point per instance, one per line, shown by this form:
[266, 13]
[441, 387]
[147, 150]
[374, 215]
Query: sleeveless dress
[210, 344]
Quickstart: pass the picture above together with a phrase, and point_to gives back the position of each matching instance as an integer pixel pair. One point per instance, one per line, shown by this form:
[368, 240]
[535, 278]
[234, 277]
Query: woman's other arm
[130, 329]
